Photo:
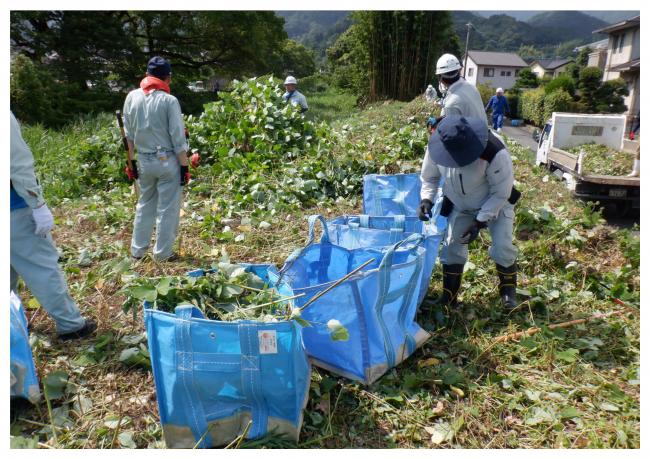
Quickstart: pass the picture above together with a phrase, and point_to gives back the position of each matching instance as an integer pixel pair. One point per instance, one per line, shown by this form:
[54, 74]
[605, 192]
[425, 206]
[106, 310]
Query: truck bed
[568, 162]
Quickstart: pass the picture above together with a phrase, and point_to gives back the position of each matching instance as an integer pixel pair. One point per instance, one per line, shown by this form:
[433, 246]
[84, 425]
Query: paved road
[521, 135]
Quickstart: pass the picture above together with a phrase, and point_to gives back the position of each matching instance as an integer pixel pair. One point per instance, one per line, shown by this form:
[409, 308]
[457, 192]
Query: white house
[624, 59]
[598, 54]
[498, 70]
[549, 67]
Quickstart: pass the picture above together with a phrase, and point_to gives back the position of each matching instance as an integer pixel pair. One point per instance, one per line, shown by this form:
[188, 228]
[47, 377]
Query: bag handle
[415, 239]
[184, 363]
[325, 237]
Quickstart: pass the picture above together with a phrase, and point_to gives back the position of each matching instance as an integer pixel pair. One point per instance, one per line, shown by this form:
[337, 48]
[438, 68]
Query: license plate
[614, 193]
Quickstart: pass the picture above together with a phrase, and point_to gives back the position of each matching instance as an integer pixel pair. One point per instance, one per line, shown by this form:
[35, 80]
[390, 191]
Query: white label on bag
[268, 341]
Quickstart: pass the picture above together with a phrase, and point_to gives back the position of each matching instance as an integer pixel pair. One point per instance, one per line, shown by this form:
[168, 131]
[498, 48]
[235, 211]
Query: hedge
[536, 107]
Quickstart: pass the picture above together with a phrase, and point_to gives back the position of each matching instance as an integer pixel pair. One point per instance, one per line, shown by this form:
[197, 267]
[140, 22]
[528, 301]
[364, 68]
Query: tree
[589, 83]
[526, 79]
[562, 82]
[601, 97]
[610, 96]
[93, 54]
[295, 59]
[395, 51]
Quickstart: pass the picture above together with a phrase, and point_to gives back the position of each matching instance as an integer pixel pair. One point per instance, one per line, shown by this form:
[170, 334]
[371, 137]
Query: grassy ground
[578, 387]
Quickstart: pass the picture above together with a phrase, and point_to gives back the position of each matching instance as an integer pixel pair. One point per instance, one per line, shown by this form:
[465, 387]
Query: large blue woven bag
[357, 231]
[213, 377]
[24, 381]
[377, 305]
[397, 194]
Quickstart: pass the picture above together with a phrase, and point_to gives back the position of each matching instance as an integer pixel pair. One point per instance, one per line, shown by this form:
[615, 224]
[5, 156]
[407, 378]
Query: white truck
[618, 194]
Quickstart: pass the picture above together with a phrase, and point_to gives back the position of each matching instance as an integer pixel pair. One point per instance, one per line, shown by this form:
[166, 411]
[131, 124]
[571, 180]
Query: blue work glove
[472, 232]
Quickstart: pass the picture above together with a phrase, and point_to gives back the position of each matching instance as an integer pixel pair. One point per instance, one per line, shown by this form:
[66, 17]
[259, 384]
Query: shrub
[563, 82]
[513, 103]
[34, 94]
[526, 79]
[532, 106]
[558, 101]
[486, 92]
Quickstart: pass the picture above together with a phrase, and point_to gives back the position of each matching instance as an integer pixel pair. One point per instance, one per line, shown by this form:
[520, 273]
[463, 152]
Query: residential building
[549, 67]
[624, 60]
[498, 70]
[598, 54]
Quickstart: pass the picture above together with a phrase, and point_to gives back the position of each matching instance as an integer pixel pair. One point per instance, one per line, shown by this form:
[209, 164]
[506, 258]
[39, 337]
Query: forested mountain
[609, 17]
[566, 25]
[317, 30]
[546, 34]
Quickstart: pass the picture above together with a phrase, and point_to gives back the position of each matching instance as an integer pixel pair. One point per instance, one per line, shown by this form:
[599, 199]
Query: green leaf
[302, 322]
[539, 415]
[569, 412]
[32, 304]
[340, 334]
[163, 286]
[54, 384]
[135, 356]
[569, 355]
[609, 406]
[144, 292]
[20, 442]
[126, 439]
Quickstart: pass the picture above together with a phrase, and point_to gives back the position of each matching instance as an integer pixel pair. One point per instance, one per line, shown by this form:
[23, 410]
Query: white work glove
[44, 220]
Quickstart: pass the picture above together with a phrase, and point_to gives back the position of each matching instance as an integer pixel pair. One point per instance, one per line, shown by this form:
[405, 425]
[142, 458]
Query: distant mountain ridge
[610, 17]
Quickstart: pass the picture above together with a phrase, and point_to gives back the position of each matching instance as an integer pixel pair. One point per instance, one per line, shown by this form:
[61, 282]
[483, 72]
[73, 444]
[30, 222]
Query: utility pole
[469, 26]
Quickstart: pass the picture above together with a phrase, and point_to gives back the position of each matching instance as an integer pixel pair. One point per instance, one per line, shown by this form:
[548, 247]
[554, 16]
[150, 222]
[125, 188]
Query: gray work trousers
[35, 259]
[502, 250]
[159, 203]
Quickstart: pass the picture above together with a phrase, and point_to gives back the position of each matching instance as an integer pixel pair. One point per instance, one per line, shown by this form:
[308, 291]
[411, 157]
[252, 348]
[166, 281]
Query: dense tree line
[392, 54]
[91, 55]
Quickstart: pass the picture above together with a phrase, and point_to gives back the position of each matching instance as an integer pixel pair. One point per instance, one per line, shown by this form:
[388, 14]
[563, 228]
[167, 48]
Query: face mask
[442, 88]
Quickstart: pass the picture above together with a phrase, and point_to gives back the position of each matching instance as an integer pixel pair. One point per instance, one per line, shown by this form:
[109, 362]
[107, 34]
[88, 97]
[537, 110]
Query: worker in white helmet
[293, 95]
[459, 97]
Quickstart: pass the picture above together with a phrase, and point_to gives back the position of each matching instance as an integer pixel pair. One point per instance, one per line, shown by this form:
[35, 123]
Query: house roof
[551, 64]
[627, 66]
[496, 59]
[628, 23]
[595, 46]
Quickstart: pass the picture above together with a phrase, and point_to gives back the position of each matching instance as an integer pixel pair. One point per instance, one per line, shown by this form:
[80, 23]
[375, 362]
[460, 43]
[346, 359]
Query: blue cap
[458, 141]
[159, 67]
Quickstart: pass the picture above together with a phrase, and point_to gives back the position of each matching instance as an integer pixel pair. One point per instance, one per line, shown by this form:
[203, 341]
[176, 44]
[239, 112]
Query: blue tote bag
[357, 231]
[23, 378]
[213, 377]
[397, 194]
[377, 305]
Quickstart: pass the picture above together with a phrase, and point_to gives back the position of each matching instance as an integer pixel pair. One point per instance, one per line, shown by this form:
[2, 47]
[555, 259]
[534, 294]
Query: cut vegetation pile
[577, 387]
[603, 160]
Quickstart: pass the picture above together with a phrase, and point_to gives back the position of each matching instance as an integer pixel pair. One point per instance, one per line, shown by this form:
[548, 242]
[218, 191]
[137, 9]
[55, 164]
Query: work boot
[508, 285]
[89, 327]
[451, 280]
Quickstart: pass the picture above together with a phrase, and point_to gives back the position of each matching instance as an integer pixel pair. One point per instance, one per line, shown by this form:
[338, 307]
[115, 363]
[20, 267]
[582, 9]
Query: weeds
[563, 388]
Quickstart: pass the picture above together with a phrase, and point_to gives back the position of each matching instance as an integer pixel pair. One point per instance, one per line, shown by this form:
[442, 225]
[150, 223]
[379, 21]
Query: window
[517, 72]
[470, 72]
[488, 72]
[503, 73]
[615, 43]
[621, 42]
[508, 73]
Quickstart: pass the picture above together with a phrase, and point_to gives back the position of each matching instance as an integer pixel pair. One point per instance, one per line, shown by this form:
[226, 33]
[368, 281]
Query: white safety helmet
[447, 63]
[499, 90]
[291, 80]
